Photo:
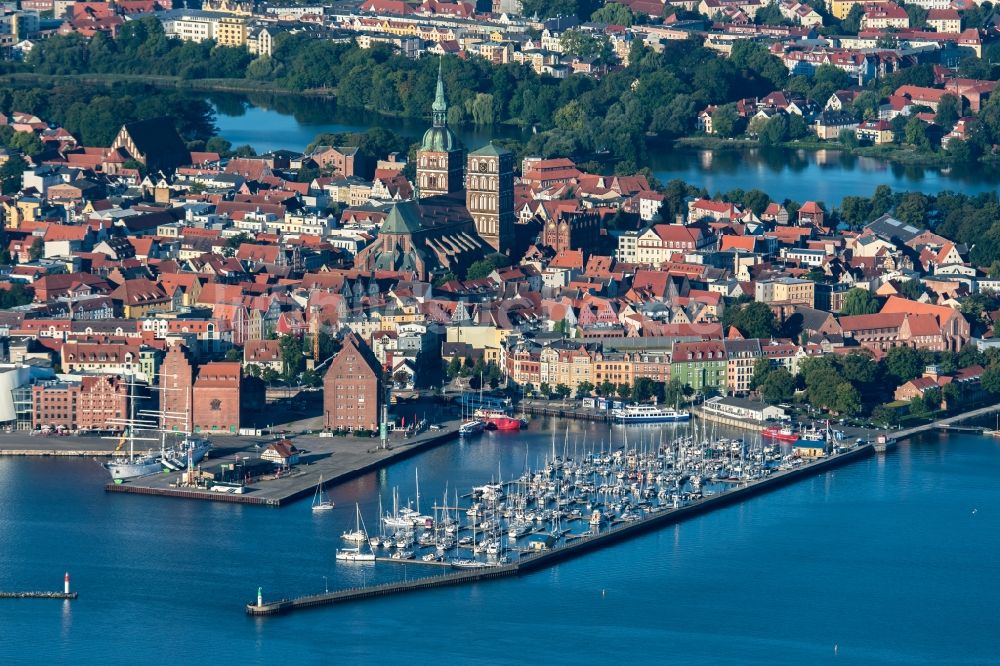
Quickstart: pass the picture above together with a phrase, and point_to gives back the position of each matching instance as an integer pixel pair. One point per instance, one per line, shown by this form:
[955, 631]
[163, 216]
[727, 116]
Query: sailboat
[320, 500]
[359, 536]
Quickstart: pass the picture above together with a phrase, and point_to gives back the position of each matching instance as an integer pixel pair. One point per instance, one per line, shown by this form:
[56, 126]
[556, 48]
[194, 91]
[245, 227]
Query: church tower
[439, 160]
[489, 195]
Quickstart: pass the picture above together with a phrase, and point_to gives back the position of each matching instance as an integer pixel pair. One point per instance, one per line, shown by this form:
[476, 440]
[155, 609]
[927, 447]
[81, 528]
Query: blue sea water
[887, 560]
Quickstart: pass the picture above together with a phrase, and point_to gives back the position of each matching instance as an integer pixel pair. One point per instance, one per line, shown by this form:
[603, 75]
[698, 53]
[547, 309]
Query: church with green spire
[440, 160]
[462, 212]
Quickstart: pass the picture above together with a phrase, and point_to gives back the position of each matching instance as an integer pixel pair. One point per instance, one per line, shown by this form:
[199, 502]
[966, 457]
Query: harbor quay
[334, 459]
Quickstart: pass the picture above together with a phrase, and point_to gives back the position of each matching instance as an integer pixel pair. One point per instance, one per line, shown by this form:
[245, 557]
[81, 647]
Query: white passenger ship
[648, 414]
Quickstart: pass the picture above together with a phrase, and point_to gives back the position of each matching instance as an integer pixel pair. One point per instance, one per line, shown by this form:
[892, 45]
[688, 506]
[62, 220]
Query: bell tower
[439, 160]
[489, 195]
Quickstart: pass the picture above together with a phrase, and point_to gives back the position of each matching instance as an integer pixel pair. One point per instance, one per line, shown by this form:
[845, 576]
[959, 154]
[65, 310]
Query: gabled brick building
[352, 388]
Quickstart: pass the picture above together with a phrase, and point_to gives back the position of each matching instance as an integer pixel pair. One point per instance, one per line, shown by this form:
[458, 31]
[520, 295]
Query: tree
[775, 130]
[293, 358]
[753, 320]
[233, 243]
[674, 392]
[859, 301]
[848, 138]
[606, 388]
[584, 389]
[917, 16]
[821, 387]
[233, 354]
[563, 391]
[917, 406]
[916, 134]
[453, 368]
[545, 390]
[762, 367]
[949, 110]
[991, 380]
[904, 364]
[624, 391]
[852, 23]
[932, 399]
[613, 13]
[27, 142]
[970, 355]
[912, 209]
[952, 395]
[483, 267]
[859, 368]
[10, 174]
[726, 122]
[37, 249]
[779, 386]
[911, 289]
[643, 389]
[855, 211]
[885, 415]
[848, 400]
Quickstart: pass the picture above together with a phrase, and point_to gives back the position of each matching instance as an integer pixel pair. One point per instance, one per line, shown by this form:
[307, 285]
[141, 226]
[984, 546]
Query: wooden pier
[38, 595]
[578, 546]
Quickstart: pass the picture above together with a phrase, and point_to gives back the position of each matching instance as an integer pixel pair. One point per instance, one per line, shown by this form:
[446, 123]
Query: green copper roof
[490, 150]
[440, 104]
[439, 139]
[402, 219]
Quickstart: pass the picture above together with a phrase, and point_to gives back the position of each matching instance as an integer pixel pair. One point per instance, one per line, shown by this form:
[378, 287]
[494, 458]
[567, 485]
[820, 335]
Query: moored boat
[496, 419]
[473, 427]
[783, 434]
[649, 414]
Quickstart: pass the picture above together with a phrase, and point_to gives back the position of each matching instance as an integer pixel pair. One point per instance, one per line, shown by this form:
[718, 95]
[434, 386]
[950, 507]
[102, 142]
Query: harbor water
[889, 559]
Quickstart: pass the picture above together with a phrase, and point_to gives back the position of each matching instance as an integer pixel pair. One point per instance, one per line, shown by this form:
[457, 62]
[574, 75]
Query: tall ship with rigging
[132, 465]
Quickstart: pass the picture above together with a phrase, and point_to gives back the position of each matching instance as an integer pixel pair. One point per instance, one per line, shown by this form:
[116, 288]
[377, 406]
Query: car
[435, 426]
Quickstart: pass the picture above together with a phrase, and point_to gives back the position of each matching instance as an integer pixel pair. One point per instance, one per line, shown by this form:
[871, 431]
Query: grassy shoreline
[895, 154]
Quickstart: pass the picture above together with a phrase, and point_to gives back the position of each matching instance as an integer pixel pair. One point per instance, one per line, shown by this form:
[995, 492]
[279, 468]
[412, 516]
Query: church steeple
[439, 160]
[440, 106]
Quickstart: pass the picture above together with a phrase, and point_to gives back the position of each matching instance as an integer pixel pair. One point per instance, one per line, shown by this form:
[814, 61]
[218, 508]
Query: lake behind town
[271, 123]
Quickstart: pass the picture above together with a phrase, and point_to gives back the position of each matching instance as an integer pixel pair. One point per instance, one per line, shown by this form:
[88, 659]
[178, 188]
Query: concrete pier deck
[336, 459]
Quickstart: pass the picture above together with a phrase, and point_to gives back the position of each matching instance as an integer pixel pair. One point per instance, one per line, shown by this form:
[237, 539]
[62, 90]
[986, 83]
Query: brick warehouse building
[352, 388]
[209, 393]
[92, 403]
